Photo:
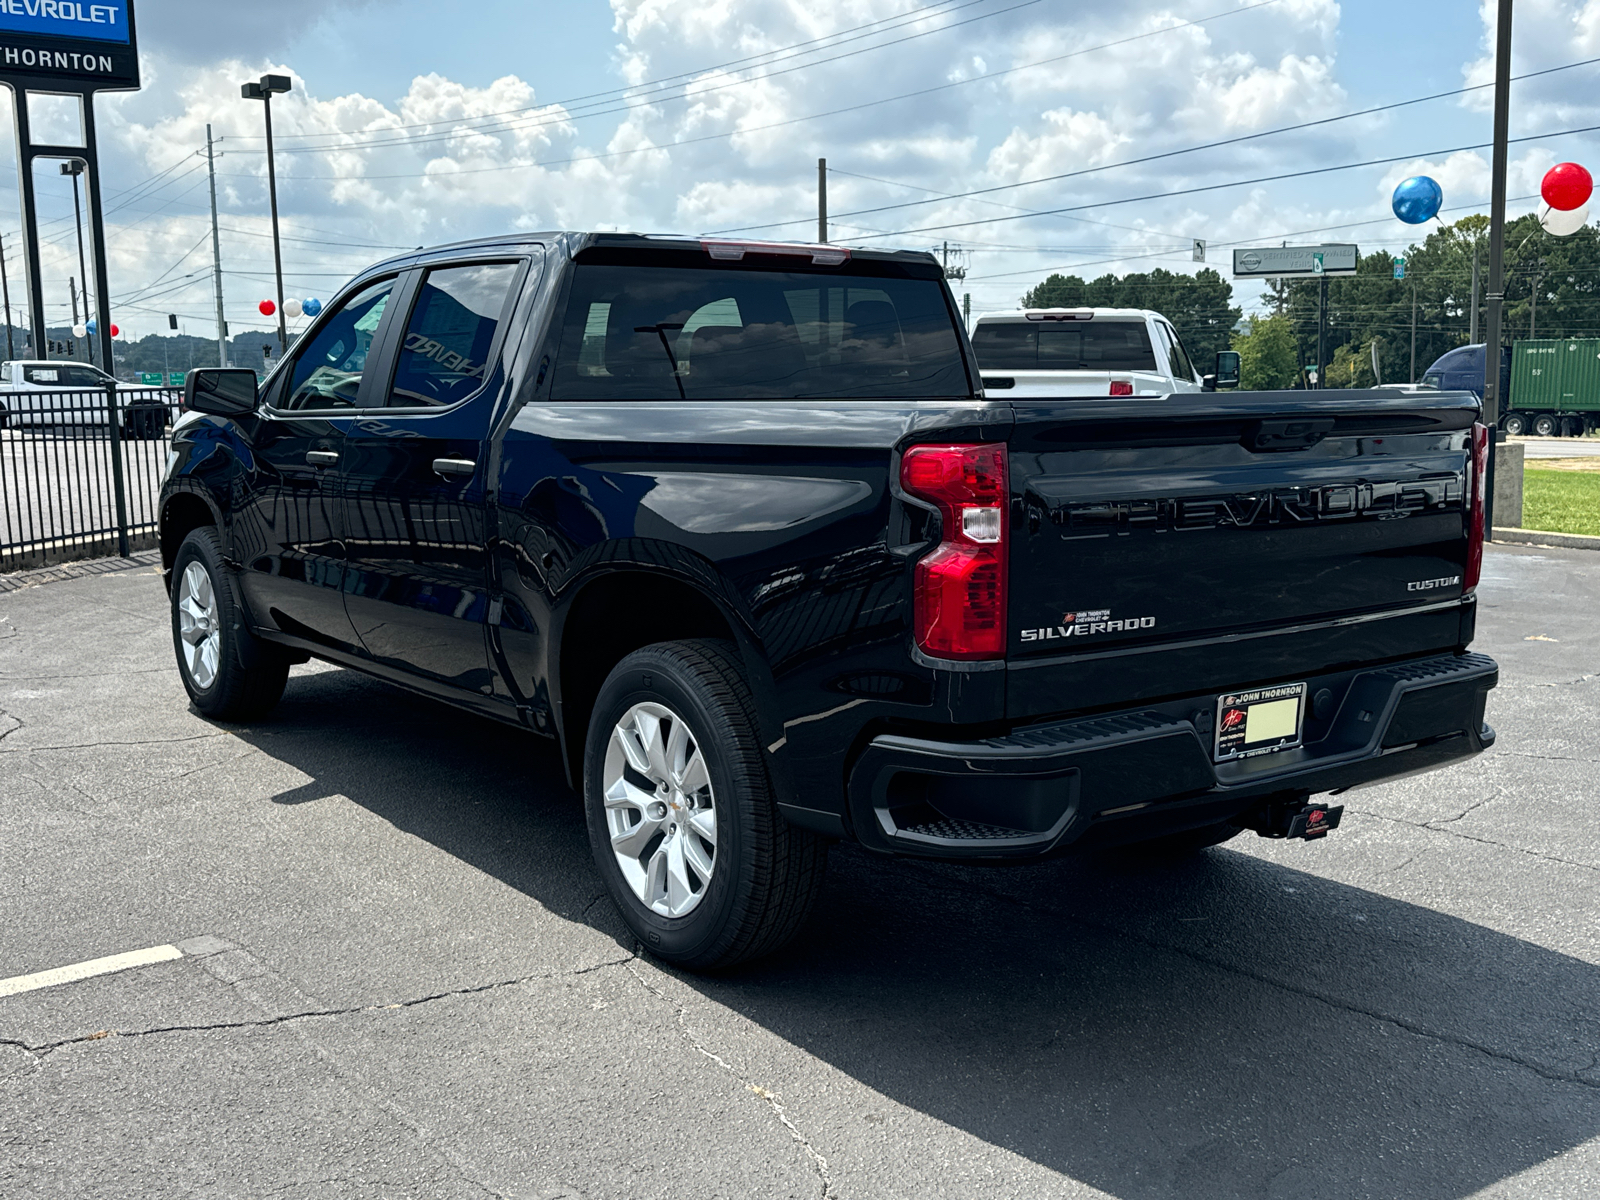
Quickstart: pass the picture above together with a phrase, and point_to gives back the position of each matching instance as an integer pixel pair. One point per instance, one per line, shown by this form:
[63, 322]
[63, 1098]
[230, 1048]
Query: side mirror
[1227, 376]
[223, 392]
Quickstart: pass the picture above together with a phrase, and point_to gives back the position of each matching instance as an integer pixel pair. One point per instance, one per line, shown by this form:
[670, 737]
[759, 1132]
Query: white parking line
[88, 970]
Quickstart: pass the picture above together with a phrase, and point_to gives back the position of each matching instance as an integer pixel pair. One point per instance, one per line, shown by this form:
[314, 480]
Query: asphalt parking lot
[399, 976]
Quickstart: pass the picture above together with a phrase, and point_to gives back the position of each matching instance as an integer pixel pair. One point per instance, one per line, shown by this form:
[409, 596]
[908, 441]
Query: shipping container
[1553, 386]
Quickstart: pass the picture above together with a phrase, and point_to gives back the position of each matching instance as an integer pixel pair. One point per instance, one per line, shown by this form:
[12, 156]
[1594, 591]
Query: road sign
[88, 43]
[1295, 262]
[1399, 268]
[150, 378]
[175, 378]
[1199, 249]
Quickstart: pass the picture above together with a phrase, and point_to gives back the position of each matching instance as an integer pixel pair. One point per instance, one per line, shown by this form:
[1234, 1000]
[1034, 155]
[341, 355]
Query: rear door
[413, 473]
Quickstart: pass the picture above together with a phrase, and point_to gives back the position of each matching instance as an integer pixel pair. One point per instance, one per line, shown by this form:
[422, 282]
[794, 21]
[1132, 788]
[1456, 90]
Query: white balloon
[1564, 224]
[292, 309]
[80, 331]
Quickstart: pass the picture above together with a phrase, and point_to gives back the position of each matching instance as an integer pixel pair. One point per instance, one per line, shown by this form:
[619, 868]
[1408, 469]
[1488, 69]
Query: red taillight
[1477, 483]
[961, 586]
[1121, 387]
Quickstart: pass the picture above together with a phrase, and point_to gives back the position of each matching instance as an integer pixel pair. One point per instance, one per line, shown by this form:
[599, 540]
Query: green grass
[1561, 501]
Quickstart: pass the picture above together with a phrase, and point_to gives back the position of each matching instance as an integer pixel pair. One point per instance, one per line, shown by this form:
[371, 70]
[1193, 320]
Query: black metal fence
[80, 471]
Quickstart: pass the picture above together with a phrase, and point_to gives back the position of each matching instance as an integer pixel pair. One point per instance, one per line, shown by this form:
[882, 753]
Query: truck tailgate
[1206, 542]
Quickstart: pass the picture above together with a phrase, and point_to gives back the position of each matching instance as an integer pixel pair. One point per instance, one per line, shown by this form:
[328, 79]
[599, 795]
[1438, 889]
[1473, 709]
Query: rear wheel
[1544, 425]
[682, 819]
[229, 673]
[1516, 424]
[1571, 427]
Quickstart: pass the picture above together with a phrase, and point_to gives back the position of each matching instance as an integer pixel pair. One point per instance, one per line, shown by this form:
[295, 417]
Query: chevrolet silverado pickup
[736, 524]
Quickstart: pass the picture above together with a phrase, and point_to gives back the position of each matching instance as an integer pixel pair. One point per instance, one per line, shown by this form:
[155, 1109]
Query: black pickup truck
[736, 524]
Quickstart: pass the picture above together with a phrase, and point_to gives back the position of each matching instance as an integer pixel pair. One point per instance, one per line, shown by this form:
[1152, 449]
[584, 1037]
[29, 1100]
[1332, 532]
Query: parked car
[1089, 352]
[40, 394]
[737, 525]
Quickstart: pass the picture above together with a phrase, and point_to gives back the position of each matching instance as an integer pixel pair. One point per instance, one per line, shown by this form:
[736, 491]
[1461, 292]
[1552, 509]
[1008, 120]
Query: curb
[1538, 537]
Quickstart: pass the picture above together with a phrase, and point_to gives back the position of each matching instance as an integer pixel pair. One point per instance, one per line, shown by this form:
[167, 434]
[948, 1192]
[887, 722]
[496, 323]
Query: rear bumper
[1141, 774]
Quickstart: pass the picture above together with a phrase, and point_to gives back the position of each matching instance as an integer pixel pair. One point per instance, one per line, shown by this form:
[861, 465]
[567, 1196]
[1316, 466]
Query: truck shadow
[1219, 1026]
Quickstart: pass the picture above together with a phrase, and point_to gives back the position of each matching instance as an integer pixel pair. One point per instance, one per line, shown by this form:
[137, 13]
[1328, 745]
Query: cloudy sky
[415, 121]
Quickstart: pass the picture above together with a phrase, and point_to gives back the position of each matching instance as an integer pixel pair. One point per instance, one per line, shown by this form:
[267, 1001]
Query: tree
[1268, 359]
[1200, 306]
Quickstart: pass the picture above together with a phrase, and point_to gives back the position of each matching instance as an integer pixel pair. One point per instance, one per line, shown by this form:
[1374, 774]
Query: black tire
[250, 674]
[766, 874]
[1544, 426]
[1571, 427]
[1516, 424]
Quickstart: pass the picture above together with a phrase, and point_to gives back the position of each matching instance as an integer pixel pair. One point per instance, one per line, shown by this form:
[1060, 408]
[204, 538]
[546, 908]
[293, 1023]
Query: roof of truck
[1020, 315]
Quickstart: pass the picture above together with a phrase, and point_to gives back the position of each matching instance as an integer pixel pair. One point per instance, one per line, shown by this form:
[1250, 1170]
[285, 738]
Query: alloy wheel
[660, 812]
[199, 625]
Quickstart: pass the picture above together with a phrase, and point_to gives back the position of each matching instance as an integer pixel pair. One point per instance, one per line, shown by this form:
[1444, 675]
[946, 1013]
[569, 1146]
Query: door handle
[322, 458]
[454, 466]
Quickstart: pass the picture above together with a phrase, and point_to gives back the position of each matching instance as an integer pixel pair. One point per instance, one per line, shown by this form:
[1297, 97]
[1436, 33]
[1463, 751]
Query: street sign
[1399, 268]
[175, 378]
[1295, 262]
[1199, 249]
[88, 43]
[150, 378]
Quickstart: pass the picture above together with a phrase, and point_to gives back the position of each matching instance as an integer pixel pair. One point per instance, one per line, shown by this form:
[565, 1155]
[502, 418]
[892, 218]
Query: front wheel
[229, 673]
[1516, 424]
[682, 818]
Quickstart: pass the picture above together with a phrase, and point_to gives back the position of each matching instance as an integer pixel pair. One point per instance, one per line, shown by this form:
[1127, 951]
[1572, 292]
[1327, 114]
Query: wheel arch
[182, 512]
[623, 609]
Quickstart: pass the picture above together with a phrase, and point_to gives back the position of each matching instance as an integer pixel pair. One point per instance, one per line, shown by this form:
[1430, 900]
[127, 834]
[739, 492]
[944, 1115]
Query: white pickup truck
[1090, 352]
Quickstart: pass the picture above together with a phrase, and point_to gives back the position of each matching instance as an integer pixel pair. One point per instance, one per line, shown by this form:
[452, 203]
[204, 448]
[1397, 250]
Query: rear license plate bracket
[1259, 721]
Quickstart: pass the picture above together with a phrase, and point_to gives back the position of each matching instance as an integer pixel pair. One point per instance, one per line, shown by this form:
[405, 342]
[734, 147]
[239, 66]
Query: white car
[37, 393]
[1088, 352]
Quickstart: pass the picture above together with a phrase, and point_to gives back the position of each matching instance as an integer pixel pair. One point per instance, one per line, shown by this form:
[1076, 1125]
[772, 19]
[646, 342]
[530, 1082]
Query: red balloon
[267, 308]
[115, 332]
[1566, 186]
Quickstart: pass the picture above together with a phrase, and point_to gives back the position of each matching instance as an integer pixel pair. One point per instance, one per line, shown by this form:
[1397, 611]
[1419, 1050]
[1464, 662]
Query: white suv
[1087, 352]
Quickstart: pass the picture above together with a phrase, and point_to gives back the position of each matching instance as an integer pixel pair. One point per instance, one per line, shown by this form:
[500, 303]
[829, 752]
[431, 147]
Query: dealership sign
[1295, 262]
[87, 44]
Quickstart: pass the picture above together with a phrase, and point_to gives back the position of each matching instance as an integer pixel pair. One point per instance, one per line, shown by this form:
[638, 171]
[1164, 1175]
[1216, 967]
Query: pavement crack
[43, 1049]
[9, 724]
[199, 737]
[1471, 837]
[1473, 807]
[772, 1099]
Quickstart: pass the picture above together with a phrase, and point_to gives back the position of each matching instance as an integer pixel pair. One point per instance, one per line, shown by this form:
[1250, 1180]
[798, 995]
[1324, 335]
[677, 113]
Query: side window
[5, 372]
[327, 371]
[82, 377]
[1181, 366]
[445, 354]
[45, 375]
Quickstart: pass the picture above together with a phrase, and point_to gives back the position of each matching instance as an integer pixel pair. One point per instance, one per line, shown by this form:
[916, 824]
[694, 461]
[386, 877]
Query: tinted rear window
[1064, 346]
[726, 332]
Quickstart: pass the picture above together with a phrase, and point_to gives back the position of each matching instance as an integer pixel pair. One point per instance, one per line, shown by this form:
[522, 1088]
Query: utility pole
[1472, 332]
[5, 288]
[216, 255]
[1492, 399]
[1322, 331]
[1413, 329]
[822, 200]
[1533, 301]
[73, 284]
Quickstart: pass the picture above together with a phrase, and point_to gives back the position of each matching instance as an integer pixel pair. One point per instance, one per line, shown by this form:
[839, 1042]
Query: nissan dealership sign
[1295, 262]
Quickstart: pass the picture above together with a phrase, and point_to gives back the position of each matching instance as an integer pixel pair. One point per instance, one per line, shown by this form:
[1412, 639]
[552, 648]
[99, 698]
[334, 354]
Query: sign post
[1302, 262]
[70, 48]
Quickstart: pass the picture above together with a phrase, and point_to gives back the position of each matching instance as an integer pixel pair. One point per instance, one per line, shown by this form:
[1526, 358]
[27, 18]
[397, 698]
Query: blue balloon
[1417, 200]
[91, 326]
[311, 307]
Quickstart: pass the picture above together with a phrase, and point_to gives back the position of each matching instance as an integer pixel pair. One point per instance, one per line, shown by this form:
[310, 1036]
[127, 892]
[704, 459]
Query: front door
[418, 588]
[288, 531]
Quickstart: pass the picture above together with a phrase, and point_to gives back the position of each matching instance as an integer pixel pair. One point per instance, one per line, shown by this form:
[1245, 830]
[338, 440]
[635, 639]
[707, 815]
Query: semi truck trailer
[1551, 385]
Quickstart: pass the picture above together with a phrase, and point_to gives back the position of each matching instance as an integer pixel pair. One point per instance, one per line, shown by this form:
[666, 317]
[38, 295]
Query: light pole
[263, 90]
[74, 168]
[1493, 401]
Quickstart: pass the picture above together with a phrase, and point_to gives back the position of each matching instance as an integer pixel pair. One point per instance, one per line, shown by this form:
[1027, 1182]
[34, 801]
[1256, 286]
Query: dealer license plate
[1259, 722]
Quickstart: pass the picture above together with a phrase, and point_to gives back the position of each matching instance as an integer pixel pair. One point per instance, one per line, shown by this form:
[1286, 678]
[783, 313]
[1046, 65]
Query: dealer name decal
[1088, 624]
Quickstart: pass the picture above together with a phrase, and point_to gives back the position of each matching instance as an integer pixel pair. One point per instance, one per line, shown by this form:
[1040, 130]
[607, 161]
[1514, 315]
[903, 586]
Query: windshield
[639, 331]
[1098, 345]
